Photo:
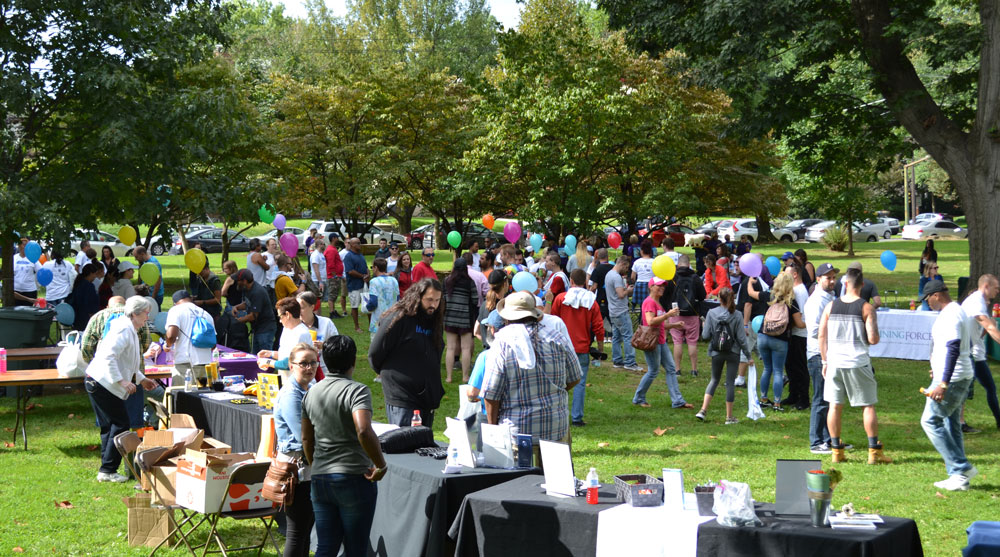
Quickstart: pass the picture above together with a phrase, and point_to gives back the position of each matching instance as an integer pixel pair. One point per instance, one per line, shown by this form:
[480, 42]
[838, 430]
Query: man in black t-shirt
[206, 291]
[597, 280]
[869, 292]
[259, 311]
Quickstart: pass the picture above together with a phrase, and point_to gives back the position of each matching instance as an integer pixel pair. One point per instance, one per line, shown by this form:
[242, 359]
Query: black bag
[722, 337]
[406, 439]
[684, 294]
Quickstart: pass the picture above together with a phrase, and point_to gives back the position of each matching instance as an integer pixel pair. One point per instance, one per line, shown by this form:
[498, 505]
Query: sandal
[642, 404]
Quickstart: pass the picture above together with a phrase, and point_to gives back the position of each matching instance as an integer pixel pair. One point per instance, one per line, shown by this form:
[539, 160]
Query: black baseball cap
[933, 287]
[826, 268]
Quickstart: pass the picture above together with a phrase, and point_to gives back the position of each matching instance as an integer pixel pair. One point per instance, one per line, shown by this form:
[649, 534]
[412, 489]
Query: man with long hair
[406, 353]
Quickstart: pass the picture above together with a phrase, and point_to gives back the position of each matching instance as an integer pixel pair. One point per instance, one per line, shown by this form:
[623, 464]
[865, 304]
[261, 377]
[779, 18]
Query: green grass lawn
[61, 464]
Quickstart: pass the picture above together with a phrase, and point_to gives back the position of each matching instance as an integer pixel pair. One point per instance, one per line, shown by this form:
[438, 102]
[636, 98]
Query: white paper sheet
[673, 488]
[497, 449]
[558, 461]
[380, 428]
[458, 437]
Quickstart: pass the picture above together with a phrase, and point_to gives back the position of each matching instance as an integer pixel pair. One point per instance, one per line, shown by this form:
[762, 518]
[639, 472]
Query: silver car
[934, 229]
[816, 232]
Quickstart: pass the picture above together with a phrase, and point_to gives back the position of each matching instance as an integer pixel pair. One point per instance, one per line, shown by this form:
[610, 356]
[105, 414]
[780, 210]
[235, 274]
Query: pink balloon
[512, 231]
[750, 264]
[289, 243]
[279, 222]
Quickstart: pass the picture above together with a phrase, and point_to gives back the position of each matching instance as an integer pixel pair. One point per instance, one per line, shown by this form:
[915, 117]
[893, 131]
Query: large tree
[773, 57]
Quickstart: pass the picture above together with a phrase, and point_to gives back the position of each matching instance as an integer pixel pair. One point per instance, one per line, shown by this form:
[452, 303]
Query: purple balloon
[750, 264]
[512, 231]
[279, 222]
[289, 243]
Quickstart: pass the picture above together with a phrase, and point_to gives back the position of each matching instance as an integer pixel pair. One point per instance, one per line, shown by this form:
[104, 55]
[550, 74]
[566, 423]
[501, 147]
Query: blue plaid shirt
[535, 399]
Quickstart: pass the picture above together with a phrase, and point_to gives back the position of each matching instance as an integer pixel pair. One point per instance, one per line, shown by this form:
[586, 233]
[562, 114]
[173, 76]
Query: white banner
[904, 334]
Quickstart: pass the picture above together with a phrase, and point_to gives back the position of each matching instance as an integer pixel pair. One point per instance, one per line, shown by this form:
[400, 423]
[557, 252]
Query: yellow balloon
[127, 235]
[663, 267]
[149, 273]
[194, 260]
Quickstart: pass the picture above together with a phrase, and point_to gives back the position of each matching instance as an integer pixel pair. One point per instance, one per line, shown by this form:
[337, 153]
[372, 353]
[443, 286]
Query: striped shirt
[534, 399]
[847, 340]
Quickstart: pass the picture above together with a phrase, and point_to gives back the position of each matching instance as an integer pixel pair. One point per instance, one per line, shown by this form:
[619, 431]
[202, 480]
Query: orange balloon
[488, 221]
[42, 259]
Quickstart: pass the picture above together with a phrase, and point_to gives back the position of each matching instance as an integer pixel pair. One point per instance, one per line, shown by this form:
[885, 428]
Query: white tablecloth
[904, 334]
[649, 531]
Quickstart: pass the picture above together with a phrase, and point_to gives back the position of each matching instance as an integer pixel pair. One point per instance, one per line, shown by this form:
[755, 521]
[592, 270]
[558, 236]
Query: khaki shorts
[855, 385]
[354, 299]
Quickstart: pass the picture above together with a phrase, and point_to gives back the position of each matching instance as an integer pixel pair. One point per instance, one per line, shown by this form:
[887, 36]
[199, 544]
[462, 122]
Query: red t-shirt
[334, 265]
[651, 305]
[421, 271]
[557, 286]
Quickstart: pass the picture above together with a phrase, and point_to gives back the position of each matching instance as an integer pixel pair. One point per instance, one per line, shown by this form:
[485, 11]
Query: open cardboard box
[146, 525]
[160, 451]
[202, 478]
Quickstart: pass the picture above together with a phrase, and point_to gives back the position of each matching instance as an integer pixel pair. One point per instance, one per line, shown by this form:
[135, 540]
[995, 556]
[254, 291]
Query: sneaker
[378, 378]
[579, 423]
[112, 477]
[741, 381]
[634, 367]
[971, 473]
[700, 415]
[694, 373]
[336, 315]
[731, 421]
[642, 404]
[822, 448]
[966, 428]
[955, 482]
[765, 403]
[617, 366]
[778, 408]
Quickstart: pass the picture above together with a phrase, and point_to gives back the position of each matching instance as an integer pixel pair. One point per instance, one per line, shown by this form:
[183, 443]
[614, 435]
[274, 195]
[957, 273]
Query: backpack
[203, 332]
[775, 320]
[684, 294]
[722, 337]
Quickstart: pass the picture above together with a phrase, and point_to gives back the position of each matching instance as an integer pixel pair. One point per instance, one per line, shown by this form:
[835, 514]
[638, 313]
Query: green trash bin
[24, 327]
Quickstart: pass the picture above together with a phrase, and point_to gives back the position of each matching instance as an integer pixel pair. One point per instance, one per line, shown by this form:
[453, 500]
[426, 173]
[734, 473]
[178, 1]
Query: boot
[838, 454]
[875, 456]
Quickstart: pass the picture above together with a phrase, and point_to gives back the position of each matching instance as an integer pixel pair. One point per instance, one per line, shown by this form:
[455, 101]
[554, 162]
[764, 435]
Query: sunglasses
[428, 255]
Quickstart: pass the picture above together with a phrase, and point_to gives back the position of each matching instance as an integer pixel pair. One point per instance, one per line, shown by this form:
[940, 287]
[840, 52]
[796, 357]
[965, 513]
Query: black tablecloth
[781, 536]
[517, 518]
[237, 425]
[417, 502]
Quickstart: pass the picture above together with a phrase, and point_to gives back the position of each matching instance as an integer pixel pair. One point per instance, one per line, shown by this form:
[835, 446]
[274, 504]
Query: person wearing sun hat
[653, 315]
[530, 374]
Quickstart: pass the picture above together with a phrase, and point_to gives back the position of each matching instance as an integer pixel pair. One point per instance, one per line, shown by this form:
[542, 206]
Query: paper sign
[458, 437]
[559, 478]
[497, 449]
[673, 488]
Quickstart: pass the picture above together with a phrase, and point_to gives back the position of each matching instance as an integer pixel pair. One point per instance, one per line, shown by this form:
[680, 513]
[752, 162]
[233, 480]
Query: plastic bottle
[416, 420]
[3, 360]
[913, 305]
[592, 486]
[188, 381]
[453, 456]
[215, 355]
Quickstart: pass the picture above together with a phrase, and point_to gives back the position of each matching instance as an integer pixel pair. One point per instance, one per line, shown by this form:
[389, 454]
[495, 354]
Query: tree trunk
[225, 242]
[403, 213]
[764, 235]
[7, 271]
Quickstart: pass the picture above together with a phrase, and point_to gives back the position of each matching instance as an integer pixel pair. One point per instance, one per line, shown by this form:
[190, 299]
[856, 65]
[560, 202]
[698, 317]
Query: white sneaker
[634, 368]
[378, 378]
[112, 477]
[740, 381]
[971, 473]
[700, 415]
[955, 482]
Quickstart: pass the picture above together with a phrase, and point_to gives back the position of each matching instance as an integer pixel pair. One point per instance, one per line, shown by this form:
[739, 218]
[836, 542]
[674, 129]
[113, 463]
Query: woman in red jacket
[716, 276]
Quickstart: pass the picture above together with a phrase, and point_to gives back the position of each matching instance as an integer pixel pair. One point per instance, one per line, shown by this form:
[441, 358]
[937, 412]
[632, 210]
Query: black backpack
[722, 337]
[684, 294]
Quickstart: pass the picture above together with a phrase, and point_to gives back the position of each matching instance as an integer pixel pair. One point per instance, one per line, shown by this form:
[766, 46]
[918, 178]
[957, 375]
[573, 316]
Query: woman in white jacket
[112, 376]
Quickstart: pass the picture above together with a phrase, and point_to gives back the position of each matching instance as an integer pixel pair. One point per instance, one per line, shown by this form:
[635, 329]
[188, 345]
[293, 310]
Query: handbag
[646, 338]
[70, 362]
[280, 482]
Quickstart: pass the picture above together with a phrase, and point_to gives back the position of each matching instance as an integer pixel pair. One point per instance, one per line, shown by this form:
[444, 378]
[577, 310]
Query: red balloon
[614, 240]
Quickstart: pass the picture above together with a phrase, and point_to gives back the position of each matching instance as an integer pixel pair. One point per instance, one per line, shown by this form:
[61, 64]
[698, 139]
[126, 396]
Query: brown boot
[875, 456]
[838, 454]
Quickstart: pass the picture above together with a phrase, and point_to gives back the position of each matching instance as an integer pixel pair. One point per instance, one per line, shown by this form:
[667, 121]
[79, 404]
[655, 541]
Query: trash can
[24, 327]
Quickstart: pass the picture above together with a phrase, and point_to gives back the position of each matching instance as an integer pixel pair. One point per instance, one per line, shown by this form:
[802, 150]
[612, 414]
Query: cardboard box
[160, 446]
[163, 478]
[202, 479]
[146, 525]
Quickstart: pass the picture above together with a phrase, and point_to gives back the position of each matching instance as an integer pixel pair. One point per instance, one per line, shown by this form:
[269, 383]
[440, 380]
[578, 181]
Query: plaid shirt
[95, 331]
[534, 399]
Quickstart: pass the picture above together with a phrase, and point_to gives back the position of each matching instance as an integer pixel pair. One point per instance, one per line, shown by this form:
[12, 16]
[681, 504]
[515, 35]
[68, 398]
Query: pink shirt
[651, 305]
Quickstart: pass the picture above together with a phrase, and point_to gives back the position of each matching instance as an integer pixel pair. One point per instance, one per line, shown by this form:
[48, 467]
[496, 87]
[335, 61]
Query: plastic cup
[313, 335]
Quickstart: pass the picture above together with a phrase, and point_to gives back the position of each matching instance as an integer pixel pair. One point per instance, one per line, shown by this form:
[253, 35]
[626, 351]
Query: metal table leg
[21, 414]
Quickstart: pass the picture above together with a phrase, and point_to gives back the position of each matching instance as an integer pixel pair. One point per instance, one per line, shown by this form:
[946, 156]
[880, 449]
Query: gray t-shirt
[330, 405]
[616, 305]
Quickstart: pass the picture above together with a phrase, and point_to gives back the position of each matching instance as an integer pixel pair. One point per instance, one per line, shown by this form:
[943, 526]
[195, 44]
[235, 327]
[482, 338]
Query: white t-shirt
[475, 260]
[643, 269]
[271, 274]
[390, 265]
[182, 316]
[317, 260]
[343, 256]
[258, 272]
[291, 337]
[801, 297]
[812, 313]
[975, 305]
[24, 274]
[62, 279]
[951, 324]
[673, 255]
[325, 329]
[81, 260]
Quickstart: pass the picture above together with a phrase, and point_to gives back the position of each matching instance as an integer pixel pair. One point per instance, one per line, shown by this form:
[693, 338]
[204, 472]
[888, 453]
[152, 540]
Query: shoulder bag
[646, 338]
[280, 482]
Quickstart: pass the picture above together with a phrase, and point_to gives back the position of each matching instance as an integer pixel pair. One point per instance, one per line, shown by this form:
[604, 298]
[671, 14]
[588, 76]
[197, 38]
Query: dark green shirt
[330, 406]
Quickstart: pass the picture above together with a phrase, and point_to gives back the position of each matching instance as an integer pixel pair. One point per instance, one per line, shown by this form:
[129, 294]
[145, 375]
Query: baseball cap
[244, 274]
[933, 287]
[656, 281]
[826, 268]
[854, 265]
[590, 249]
[497, 277]
[181, 295]
[126, 266]
[529, 249]
[787, 255]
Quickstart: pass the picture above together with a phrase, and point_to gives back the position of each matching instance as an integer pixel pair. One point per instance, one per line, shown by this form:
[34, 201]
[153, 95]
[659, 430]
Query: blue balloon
[65, 314]
[160, 323]
[888, 260]
[44, 276]
[773, 265]
[570, 243]
[756, 323]
[33, 251]
[536, 241]
[524, 281]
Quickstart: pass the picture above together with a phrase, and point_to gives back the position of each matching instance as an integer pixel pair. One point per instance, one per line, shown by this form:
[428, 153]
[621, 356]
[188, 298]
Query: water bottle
[592, 485]
[215, 355]
[453, 456]
[416, 420]
[3, 360]
[188, 381]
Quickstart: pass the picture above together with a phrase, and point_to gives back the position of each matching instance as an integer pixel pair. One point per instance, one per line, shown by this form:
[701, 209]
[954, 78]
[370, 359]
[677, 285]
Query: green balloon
[266, 215]
[454, 238]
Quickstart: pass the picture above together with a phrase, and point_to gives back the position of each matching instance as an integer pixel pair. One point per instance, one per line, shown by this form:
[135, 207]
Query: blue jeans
[773, 352]
[942, 424]
[654, 358]
[263, 340]
[580, 390]
[344, 505]
[621, 340]
[818, 433]
[985, 378]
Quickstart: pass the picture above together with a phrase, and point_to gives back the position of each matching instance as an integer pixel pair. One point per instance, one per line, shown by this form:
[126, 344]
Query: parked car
[368, 234]
[98, 239]
[816, 232]
[680, 234]
[934, 229]
[892, 223]
[929, 217]
[795, 230]
[211, 241]
[708, 227]
[476, 232]
[738, 228]
[415, 239]
[273, 233]
[878, 228]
